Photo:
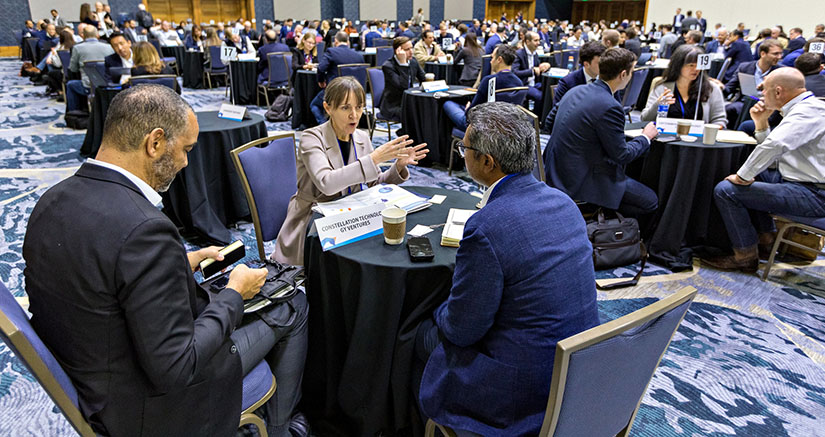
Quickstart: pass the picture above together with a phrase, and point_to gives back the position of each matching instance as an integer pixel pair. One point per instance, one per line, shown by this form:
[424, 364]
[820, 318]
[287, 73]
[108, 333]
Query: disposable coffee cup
[429, 77]
[395, 225]
[709, 134]
[683, 127]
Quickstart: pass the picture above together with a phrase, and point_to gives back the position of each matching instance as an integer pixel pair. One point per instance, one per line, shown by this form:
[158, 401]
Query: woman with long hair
[680, 90]
[194, 41]
[471, 54]
[147, 60]
[305, 54]
[86, 15]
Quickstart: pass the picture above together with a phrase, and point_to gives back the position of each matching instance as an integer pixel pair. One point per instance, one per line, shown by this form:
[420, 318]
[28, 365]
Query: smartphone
[420, 249]
[231, 254]
[666, 138]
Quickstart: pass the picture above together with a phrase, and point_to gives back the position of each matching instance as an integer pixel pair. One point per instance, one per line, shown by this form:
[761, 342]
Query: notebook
[454, 228]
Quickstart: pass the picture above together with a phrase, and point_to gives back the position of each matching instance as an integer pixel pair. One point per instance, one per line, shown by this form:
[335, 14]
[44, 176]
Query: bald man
[797, 185]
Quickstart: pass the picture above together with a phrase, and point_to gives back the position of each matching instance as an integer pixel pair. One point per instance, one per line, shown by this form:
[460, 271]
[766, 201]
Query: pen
[754, 98]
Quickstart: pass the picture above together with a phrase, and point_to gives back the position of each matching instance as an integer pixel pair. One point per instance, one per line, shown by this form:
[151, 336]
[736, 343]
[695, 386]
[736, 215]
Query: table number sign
[817, 47]
[229, 54]
[232, 112]
[703, 62]
[491, 90]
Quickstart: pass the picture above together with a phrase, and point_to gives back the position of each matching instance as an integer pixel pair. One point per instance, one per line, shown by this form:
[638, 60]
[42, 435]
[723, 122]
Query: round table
[243, 82]
[207, 194]
[546, 104]
[367, 298]
[448, 72]
[304, 89]
[424, 120]
[177, 53]
[683, 176]
[192, 69]
[94, 130]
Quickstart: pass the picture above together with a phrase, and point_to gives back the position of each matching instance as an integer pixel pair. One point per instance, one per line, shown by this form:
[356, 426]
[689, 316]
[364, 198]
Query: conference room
[411, 218]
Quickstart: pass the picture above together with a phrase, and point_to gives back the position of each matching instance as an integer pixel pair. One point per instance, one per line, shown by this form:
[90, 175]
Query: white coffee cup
[709, 134]
[394, 221]
[429, 77]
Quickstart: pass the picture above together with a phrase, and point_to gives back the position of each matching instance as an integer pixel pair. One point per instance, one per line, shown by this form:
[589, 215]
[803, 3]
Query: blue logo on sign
[385, 189]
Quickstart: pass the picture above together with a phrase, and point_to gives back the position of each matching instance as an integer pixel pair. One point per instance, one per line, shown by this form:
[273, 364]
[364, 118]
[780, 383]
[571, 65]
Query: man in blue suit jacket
[795, 41]
[264, 51]
[337, 55]
[517, 289]
[589, 58]
[738, 50]
[498, 38]
[527, 66]
[587, 152]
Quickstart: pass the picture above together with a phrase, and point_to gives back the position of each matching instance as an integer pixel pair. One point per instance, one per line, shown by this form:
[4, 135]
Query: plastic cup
[395, 225]
[709, 134]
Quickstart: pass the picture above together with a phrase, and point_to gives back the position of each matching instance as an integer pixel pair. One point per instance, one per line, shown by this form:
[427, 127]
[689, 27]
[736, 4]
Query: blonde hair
[147, 56]
[306, 36]
[212, 37]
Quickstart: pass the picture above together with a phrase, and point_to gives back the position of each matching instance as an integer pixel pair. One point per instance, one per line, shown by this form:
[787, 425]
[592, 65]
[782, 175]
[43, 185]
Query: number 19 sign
[703, 62]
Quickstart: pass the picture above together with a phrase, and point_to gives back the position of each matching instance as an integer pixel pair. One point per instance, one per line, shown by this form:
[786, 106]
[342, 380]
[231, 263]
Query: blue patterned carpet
[748, 359]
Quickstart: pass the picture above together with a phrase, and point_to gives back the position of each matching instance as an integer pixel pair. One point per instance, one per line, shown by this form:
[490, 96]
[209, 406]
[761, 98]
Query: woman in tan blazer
[336, 159]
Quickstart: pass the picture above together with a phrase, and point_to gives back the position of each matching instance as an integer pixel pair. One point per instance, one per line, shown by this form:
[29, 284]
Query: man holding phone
[113, 297]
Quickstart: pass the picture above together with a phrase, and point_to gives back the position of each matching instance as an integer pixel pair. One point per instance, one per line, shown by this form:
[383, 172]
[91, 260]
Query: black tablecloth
[94, 131]
[244, 82]
[424, 120]
[176, 52]
[369, 58]
[546, 104]
[192, 69]
[447, 72]
[305, 88]
[367, 298]
[207, 195]
[683, 176]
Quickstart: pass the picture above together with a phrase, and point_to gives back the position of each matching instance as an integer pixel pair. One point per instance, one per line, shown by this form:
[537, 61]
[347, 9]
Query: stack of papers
[454, 228]
[464, 92]
[734, 136]
[391, 195]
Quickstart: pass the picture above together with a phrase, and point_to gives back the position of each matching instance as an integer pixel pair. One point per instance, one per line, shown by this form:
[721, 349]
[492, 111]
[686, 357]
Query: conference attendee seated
[682, 39]
[795, 41]
[527, 66]
[796, 186]
[404, 30]
[716, 47]
[147, 61]
[167, 37]
[336, 159]
[334, 56]
[371, 35]
[130, 31]
[248, 31]
[770, 52]
[498, 35]
[633, 43]
[194, 40]
[610, 38]
[790, 58]
[470, 54]
[680, 90]
[263, 54]
[91, 49]
[121, 58]
[809, 65]
[503, 57]
[589, 59]
[517, 289]
[400, 73]
[426, 50]
[586, 155]
[737, 49]
[241, 43]
[305, 54]
[667, 40]
[112, 294]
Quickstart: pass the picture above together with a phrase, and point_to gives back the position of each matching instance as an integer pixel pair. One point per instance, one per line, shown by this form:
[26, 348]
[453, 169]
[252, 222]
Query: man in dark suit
[677, 20]
[400, 72]
[503, 57]
[589, 58]
[130, 31]
[717, 45]
[516, 291]
[499, 36]
[249, 32]
[795, 40]
[703, 24]
[738, 50]
[810, 66]
[113, 297]
[121, 58]
[690, 23]
[265, 50]
[770, 52]
[586, 155]
[633, 43]
[334, 56]
[527, 66]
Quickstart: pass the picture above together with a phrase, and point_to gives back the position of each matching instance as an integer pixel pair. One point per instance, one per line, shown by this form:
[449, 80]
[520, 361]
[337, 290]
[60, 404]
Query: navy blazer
[517, 290]
[491, 44]
[109, 62]
[263, 59]
[145, 338]
[504, 79]
[712, 46]
[815, 83]
[332, 58]
[739, 52]
[568, 82]
[586, 155]
[796, 44]
[521, 66]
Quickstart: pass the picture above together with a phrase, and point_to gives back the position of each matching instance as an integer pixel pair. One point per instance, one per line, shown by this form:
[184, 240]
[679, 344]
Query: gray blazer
[322, 176]
[88, 50]
[713, 110]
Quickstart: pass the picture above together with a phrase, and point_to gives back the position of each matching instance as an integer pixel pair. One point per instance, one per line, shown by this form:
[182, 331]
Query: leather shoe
[765, 251]
[745, 260]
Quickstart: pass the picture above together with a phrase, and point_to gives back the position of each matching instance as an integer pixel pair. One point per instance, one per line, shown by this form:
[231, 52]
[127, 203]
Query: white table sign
[703, 62]
[816, 47]
[228, 54]
[669, 125]
[232, 112]
[491, 90]
[349, 227]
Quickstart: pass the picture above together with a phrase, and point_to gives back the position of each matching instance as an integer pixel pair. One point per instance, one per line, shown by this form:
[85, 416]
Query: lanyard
[355, 152]
[682, 106]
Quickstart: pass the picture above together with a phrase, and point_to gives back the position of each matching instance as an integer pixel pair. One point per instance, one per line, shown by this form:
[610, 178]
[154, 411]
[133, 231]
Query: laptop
[747, 84]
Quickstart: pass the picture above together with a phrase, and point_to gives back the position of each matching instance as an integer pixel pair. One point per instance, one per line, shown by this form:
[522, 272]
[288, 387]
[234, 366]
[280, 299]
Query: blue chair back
[279, 72]
[376, 80]
[17, 332]
[32, 43]
[215, 63]
[270, 179]
[644, 58]
[358, 71]
[485, 65]
[604, 372]
[631, 95]
[645, 49]
[567, 54]
[515, 96]
[156, 44]
[381, 42]
[167, 80]
[18, 36]
[65, 59]
[383, 54]
[724, 69]
[320, 47]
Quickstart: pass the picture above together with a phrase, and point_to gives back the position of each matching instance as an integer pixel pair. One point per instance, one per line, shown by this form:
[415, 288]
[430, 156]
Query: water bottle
[570, 63]
[661, 112]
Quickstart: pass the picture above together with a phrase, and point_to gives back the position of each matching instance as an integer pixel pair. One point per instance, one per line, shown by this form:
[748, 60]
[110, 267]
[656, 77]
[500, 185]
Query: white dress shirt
[168, 38]
[530, 63]
[489, 191]
[148, 192]
[797, 144]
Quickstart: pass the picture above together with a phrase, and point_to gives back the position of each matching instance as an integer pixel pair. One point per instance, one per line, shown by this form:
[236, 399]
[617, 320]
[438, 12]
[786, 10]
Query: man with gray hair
[91, 49]
[113, 296]
[523, 281]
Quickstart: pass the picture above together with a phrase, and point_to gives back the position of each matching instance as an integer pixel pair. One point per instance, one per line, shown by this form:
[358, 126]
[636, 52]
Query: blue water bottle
[570, 63]
[661, 112]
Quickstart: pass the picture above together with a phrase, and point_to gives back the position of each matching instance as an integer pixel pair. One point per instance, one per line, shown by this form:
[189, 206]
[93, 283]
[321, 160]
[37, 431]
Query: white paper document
[388, 194]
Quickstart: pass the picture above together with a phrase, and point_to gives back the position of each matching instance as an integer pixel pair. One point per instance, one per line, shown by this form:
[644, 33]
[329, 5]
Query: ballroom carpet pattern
[748, 360]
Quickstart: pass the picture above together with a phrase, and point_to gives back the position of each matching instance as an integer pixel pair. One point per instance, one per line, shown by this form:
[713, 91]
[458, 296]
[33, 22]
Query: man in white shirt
[166, 36]
[795, 187]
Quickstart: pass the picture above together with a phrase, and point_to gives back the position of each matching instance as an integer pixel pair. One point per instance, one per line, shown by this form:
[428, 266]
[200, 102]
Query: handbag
[616, 242]
[282, 282]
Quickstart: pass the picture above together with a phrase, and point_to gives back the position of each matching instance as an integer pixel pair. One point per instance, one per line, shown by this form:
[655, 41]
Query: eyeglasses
[462, 148]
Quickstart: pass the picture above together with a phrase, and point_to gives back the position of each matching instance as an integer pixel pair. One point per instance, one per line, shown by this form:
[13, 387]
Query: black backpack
[77, 119]
[281, 109]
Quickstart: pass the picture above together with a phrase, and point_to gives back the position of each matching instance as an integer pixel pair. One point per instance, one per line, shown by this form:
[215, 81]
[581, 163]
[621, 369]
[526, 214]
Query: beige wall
[424, 4]
[69, 10]
[378, 9]
[756, 14]
[458, 9]
[297, 9]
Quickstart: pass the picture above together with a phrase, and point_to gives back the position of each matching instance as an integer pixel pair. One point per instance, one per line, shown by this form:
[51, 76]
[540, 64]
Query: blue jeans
[745, 209]
[75, 91]
[456, 113]
[317, 108]
[534, 93]
[638, 199]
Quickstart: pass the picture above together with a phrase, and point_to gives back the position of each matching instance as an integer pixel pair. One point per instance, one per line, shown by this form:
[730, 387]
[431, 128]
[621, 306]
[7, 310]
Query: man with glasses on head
[517, 289]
